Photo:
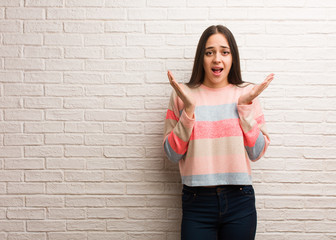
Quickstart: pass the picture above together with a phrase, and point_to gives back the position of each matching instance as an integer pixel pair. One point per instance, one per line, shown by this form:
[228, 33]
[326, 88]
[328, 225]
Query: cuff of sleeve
[245, 110]
[186, 120]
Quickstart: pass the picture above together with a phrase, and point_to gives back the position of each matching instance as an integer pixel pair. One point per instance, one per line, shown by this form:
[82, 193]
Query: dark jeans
[218, 213]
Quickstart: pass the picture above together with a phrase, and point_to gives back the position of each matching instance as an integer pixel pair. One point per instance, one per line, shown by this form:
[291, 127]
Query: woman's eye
[208, 53]
[226, 53]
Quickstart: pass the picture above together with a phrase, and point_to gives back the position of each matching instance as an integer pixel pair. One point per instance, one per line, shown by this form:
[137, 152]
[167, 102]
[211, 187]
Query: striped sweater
[216, 146]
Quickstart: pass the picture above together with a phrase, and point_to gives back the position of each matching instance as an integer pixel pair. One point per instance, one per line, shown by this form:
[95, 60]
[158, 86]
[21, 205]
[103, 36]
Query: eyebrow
[211, 47]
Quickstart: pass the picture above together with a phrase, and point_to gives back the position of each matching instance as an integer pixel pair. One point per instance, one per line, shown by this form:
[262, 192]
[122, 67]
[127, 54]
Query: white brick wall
[83, 97]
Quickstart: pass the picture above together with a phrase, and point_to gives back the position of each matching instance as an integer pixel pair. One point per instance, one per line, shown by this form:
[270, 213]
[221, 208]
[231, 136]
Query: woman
[214, 127]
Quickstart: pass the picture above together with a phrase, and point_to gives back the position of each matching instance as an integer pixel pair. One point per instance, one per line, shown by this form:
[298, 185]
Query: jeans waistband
[212, 190]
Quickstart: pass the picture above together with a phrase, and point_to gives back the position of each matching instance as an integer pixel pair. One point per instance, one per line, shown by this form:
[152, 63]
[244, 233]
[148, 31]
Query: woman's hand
[255, 91]
[185, 96]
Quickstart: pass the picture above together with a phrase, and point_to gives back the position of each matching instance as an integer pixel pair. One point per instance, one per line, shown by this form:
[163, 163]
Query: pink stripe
[217, 164]
[218, 129]
[179, 146]
[171, 115]
[260, 120]
[251, 137]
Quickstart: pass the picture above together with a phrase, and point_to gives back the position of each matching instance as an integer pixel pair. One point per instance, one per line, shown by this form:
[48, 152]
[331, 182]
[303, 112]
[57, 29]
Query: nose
[216, 57]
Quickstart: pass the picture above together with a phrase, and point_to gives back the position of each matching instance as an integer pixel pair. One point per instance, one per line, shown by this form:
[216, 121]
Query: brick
[126, 27]
[65, 213]
[130, 78]
[124, 176]
[107, 235]
[64, 65]
[10, 3]
[40, 77]
[44, 201]
[26, 213]
[11, 201]
[63, 40]
[66, 13]
[105, 163]
[66, 235]
[108, 116]
[25, 188]
[88, 225]
[43, 151]
[106, 213]
[104, 65]
[43, 176]
[104, 188]
[106, 13]
[85, 201]
[84, 3]
[80, 78]
[147, 14]
[65, 115]
[11, 226]
[46, 226]
[11, 77]
[44, 127]
[65, 188]
[10, 102]
[24, 64]
[145, 164]
[83, 151]
[44, 3]
[10, 26]
[128, 201]
[22, 39]
[64, 163]
[87, 27]
[63, 90]
[20, 140]
[38, 52]
[92, 176]
[26, 236]
[25, 13]
[17, 164]
[187, 14]
[124, 152]
[23, 90]
[145, 213]
[105, 139]
[11, 152]
[47, 103]
[104, 40]
[124, 53]
[144, 40]
[43, 27]
[88, 52]
[125, 3]
[121, 127]
[63, 139]
[83, 127]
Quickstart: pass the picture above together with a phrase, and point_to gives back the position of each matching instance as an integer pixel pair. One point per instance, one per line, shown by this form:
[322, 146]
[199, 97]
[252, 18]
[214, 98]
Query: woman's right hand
[185, 96]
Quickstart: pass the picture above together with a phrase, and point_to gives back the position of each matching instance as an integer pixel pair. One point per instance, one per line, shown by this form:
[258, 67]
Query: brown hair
[198, 73]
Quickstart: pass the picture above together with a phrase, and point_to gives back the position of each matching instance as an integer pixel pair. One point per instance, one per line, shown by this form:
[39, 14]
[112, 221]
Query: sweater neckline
[215, 89]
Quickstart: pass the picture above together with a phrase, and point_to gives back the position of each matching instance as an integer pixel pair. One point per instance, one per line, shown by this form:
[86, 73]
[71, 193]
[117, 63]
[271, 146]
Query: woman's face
[217, 61]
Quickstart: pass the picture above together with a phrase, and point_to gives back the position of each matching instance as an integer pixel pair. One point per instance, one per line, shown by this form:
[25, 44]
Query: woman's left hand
[255, 91]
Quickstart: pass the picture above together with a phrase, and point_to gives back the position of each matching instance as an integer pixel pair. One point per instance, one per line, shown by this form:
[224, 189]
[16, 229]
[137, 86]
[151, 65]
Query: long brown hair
[198, 73]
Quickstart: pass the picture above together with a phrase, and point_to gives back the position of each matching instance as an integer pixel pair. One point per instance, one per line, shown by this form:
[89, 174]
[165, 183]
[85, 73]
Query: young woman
[214, 127]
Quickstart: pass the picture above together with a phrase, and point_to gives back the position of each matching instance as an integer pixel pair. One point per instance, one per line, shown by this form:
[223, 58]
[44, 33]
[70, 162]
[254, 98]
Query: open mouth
[217, 70]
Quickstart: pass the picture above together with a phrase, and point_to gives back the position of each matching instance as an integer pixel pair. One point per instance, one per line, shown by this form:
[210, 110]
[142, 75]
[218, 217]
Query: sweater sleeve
[252, 122]
[178, 129]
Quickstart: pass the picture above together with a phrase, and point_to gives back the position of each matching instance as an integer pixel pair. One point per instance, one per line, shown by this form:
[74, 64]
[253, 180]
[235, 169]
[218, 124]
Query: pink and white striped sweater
[217, 145]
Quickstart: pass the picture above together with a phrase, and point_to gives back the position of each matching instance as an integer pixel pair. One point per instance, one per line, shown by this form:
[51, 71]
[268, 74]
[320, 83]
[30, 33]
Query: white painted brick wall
[83, 95]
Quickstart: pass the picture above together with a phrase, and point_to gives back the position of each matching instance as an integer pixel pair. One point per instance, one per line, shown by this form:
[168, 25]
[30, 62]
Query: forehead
[216, 39]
